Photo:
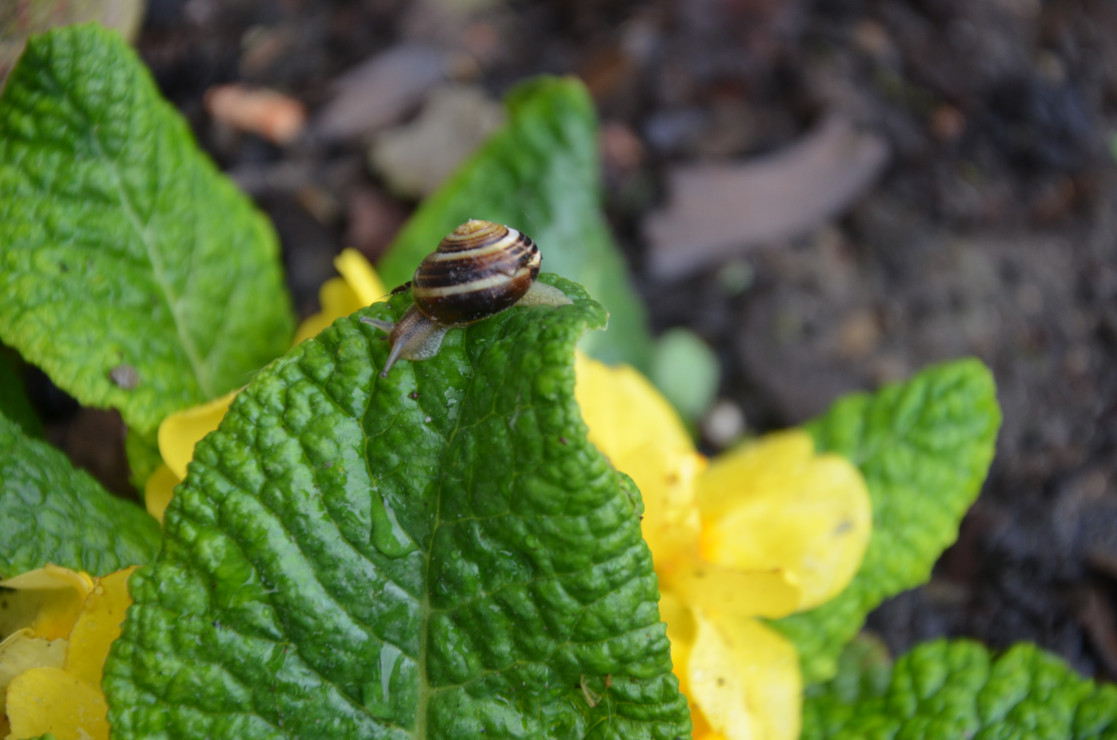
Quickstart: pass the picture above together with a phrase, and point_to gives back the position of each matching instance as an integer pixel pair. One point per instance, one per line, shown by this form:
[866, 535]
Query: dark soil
[992, 231]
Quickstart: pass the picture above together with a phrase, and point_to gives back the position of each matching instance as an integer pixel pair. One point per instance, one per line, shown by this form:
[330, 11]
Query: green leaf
[142, 451]
[14, 402]
[957, 689]
[686, 371]
[131, 271]
[539, 173]
[864, 671]
[441, 553]
[52, 513]
[924, 448]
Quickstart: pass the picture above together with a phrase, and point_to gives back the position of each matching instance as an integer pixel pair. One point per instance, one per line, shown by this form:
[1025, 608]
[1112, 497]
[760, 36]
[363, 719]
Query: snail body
[478, 270]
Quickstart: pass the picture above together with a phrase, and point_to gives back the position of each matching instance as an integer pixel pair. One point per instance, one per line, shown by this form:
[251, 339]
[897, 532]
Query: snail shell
[478, 270]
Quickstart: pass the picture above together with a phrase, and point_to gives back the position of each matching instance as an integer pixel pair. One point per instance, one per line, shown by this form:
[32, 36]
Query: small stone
[125, 376]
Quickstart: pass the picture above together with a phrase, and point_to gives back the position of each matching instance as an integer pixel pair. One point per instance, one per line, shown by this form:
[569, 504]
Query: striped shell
[479, 269]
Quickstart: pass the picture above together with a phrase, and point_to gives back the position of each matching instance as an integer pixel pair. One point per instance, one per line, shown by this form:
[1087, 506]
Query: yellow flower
[358, 286]
[57, 626]
[178, 434]
[762, 531]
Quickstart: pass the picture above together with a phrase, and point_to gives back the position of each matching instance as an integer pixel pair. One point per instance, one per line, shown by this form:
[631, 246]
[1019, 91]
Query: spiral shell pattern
[479, 269]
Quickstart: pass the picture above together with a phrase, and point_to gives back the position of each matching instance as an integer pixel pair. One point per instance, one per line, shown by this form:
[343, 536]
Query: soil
[991, 231]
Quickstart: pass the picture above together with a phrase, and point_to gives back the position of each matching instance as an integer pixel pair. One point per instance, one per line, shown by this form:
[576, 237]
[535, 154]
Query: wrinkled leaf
[441, 553]
[540, 174]
[957, 689]
[924, 448]
[52, 513]
[131, 271]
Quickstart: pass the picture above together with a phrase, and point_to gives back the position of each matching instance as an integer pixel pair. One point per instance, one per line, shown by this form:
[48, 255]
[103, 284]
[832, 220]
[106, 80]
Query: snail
[478, 270]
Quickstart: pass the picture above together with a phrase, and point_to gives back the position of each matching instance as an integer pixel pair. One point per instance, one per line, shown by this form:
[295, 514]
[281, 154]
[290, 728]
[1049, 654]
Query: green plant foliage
[539, 173]
[14, 402]
[438, 553]
[142, 451]
[924, 447]
[686, 371]
[957, 689]
[864, 671]
[441, 553]
[131, 271]
[52, 513]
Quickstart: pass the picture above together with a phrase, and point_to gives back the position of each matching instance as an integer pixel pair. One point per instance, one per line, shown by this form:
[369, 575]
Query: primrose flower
[765, 530]
[58, 625]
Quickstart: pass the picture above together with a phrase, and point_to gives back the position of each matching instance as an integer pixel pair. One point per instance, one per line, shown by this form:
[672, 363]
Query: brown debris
[1098, 620]
[380, 91]
[416, 157]
[720, 209]
[373, 219]
[269, 114]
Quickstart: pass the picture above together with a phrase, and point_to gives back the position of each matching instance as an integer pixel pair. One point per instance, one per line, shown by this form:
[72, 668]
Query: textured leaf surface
[51, 512]
[540, 174]
[946, 690]
[440, 553]
[131, 271]
[924, 448]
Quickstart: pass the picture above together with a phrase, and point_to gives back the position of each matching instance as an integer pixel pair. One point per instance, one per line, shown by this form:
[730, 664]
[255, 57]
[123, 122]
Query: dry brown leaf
[717, 210]
[377, 92]
[267, 113]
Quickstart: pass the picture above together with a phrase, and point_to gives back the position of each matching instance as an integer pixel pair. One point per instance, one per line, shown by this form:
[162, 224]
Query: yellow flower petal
[777, 505]
[21, 651]
[743, 593]
[640, 433]
[681, 632]
[47, 601]
[744, 680]
[159, 490]
[97, 627]
[337, 299]
[180, 431]
[361, 276]
[50, 700]
[624, 411]
[358, 286]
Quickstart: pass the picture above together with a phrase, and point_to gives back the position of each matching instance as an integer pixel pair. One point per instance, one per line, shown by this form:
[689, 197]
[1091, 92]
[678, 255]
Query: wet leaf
[440, 553]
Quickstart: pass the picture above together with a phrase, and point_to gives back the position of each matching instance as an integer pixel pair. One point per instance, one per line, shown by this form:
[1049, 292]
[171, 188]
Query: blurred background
[829, 194]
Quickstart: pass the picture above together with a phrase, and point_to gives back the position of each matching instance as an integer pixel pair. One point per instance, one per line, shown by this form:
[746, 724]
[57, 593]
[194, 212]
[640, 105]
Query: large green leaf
[924, 448]
[131, 271]
[539, 173]
[441, 553]
[945, 690]
[52, 513]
